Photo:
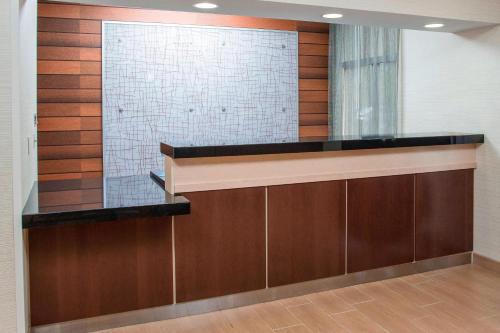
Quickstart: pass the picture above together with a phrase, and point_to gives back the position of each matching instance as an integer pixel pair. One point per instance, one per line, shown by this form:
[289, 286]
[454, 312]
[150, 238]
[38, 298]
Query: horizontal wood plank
[69, 95]
[313, 131]
[313, 50]
[59, 10]
[69, 81]
[73, 175]
[309, 119]
[69, 152]
[69, 110]
[313, 38]
[69, 138]
[69, 53]
[46, 24]
[54, 124]
[313, 61]
[305, 107]
[313, 96]
[71, 165]
[313, 26]
[313, 84]
[69, 67]
[313, 73]
[160, 16]
[68, 39]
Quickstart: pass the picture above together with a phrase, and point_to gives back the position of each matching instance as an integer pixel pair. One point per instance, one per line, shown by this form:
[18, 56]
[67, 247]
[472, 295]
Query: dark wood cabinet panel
[380, 222]
[444, 209]
[80, 271]
[306, 231]
[220, 247]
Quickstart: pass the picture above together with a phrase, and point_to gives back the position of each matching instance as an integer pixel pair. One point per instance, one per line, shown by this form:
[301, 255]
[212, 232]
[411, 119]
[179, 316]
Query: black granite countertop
[99, 199]
[317, 144]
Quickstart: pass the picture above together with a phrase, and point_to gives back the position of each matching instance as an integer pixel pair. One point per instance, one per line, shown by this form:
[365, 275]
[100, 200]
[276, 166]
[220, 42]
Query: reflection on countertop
[55, 202]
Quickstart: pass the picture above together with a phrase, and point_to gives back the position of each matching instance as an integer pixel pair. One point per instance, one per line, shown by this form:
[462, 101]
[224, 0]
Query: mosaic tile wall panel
[195, 86]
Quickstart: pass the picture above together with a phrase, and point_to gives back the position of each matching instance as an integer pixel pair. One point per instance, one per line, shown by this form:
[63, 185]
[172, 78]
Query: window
[364, 65]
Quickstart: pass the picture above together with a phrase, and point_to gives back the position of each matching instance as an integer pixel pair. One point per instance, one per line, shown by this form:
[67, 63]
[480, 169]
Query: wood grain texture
[313, 108]
[69, 152]
[69, 165]
[69, 53]
[313, 73]
[69, 109]
[79, 271]
[313, 131]
[54, 124]
[69, 67]
[388, 311]
[220, 246]
[306, 231]
[313, 84]
[313, 50]
[313, 61]
[444, 209]
[313, 38]
[320, 96]
[69, 81]
[70, 138]
[69, 25]
[380, 222]
[313, 27]
[68, 39]
[69, 95]
[311, 119]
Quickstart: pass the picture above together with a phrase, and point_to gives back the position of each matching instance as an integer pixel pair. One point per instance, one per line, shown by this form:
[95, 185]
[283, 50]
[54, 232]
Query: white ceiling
[302, 10]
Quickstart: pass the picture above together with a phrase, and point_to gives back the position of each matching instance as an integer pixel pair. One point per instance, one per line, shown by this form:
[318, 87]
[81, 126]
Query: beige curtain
[364, 65]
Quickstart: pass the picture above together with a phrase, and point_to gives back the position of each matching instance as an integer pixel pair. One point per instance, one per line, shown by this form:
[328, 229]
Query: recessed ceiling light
[332, 16]
[434, 25]
[205, 5]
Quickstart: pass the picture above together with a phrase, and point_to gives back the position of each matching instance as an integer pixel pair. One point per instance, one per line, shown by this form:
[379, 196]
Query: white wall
[28, 93]
[25, 149]
[8, 24]
[17, 167]
[452, 83]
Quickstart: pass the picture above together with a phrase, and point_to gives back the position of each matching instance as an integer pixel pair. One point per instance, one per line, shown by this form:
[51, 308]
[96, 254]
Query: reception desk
[265, 221]
[276, 214]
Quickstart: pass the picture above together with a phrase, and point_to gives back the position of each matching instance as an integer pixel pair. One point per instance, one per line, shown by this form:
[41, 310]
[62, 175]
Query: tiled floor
[459, 299]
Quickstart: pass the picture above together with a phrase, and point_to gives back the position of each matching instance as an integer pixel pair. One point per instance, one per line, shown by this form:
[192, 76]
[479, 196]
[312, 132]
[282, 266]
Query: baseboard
[251, 297]
[486, 262]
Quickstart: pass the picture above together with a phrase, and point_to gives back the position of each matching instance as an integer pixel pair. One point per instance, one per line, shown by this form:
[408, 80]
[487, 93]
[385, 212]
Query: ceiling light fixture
[205, 5]
[333, 16]
[434, 25]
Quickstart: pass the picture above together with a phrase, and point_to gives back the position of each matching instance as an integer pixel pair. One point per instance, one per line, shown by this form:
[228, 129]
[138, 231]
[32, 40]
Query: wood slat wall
[69, 78]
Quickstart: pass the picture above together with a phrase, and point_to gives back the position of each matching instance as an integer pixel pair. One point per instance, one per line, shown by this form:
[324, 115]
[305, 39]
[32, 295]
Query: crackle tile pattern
[458, 299]
[193, 85]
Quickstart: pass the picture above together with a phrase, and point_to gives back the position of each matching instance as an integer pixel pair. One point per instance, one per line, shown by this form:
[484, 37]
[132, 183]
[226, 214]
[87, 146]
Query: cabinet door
[380, 222]
[444, 208]
[94, 269]
[220, 248]
[306, 231]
